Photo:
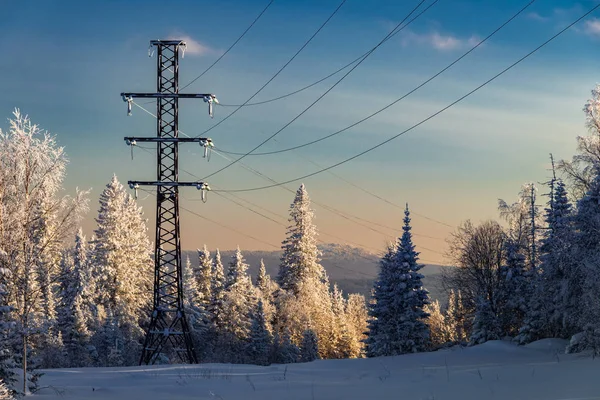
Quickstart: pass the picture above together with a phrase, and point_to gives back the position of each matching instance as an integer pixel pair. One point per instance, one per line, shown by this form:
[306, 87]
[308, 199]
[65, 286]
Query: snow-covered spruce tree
[260, 341]
[216, 329]
[110, 341]
[457, 322]
[204, 277]
[195, 310]
[343, 345]
[285, 351]
[239, 299]
[304, 299]
[266, 289]
[76, 305]
[32, 170]
[401, 298]
[512, 297]
[122, 264]
[309, 349]
[485, 324]
[560, 281]
[356, 316]
[587, 256]
[437, 325]
[300, 259]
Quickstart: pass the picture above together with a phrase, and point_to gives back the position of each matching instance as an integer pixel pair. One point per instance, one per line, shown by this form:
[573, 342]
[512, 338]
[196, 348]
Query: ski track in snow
[494, 370]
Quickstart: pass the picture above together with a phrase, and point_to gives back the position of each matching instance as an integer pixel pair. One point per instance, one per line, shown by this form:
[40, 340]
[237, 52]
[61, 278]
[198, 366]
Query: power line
[218, 223]
[262, 215]
[279, 71]
[230, 47]
[431, 116]
[398, 26]
[394, 102]
[377, 197]
[333, 210]
[331, 74]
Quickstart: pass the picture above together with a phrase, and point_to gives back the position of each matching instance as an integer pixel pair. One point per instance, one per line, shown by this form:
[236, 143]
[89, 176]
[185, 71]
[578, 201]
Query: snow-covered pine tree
[511, 304]
[342, 339]
[122, 264]
[436, 323]
[77, 339]
[300, 260]
[587, 256]
[76, 307]
[260, 341]
[266, 289]
[304, 299]
[215, 311]
[401, 298]
[262, 279]
[195, 310]
[286, 351]
[560, 281]
[238, 301]
[485, 324]
[356, 316]
[458, 324]
[204, 277]
[309, 349]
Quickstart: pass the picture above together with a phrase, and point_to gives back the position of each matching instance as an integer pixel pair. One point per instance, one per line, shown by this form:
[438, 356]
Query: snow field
[494, 370]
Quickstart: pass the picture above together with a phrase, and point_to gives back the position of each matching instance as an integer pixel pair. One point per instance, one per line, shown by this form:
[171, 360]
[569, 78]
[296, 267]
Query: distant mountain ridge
[352, 268]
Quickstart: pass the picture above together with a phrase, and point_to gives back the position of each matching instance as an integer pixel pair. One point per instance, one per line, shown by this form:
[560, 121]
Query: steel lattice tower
[168, 324]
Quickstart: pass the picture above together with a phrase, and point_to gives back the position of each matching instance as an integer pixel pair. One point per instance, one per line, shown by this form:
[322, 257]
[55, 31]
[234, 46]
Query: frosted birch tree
[36, 219]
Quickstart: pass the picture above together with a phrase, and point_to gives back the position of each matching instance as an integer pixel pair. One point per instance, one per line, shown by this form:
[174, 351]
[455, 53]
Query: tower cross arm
[135, 139]
[128, 95]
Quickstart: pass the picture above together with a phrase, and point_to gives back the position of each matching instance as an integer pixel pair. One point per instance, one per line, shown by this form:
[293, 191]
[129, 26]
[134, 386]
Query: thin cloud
[537, 17]
[591, 27]
[438, 41]
[193, 47]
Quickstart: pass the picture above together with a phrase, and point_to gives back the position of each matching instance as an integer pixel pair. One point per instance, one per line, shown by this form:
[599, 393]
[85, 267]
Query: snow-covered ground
[494, 370]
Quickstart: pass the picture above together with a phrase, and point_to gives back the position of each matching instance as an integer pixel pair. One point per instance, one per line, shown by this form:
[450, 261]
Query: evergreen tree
[286, 351]
[266, 288]
[457, 326]
[584, 279]
[309, 350]
[195, 310]
[259, 347]
[204, 277]
[513, 293]
[304, 299]
[356, 317]
[122, 264]
[560, 280]
[485, 324]
[398, 323]
[239, 298]
[300, 260]
[217, 294]
[437, 325]
[76, 303]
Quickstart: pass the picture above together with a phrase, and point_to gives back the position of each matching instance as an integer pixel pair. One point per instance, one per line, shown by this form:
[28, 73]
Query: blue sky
[65, 62]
